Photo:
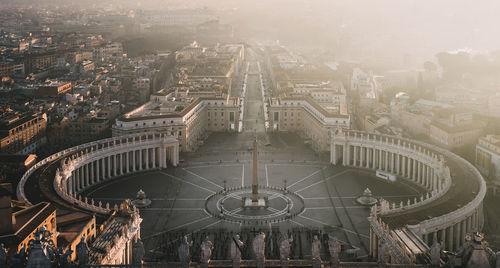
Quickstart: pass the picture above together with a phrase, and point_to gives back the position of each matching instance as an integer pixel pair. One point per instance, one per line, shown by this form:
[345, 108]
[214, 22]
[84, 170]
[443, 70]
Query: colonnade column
[115, 166]
[86, 182]
[140, 159]
[356, 155]
[154, 157]
[147, 158]
[374, 157]
[379, 159]
[134, 164]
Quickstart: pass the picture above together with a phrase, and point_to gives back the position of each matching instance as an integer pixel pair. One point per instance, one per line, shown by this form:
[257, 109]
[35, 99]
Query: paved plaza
[179, 195]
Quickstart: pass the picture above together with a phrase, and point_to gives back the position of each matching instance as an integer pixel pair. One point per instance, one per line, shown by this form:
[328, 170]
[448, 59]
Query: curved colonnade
[444, 213]
[89, 164]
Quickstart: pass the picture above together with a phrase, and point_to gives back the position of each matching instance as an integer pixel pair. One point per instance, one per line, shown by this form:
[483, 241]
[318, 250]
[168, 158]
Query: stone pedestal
[260, 262]
[248, 202]
[236, 263]
[316, 263]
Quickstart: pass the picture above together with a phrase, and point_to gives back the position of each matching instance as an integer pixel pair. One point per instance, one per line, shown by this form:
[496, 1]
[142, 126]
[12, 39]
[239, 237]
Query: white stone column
[97, 170]
[450, 238]
[103, 168]
[147, 158]
[398, 166]
[175, 156]
[356, 155]
[344, 154]
[87, 176]
[140, 159]
[348, 154]
[134, 163]
[380, 159]
[386, 159]
[127, 162]
[374, 158]
[403, 165]
[69, 184]
[120, 163]
[418, 172]
[109, 166]
[91, 171]
[115, 166]
[154, 157]
[414, 169]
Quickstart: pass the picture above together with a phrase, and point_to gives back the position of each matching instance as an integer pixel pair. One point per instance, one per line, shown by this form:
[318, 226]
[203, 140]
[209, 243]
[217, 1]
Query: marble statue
[383, 254]
[259, 247]
[63, 258]
[206, 252]
[184, 252]
[435, 252]
[334, 247]
[480, 253]
[19, 258]
[138, 252]
[285, 250]
[82, 252]
[497, 257]
[3, 255]
[37, 257]
[316, 251]
[236, 251]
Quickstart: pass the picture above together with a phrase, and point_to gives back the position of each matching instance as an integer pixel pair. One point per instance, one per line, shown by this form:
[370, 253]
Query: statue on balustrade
[476, 253]
[37, 257]
[19, 259]
[236, 251]
[206, 252]
[259, 247]
[435, 252]
[316, 252]
[63, 258]
[82, 252]
[285, 250]
[138, 251]
[124, 209]
[3, 255]
[335, 247]
[184, 252]
[383, 254]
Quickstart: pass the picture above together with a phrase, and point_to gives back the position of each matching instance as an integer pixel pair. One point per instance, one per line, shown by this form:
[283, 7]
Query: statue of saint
[138, 252]
[316, 248]
[3, 255]
[236, 251]
[184, 254]
[285, 248]
[383, 254]
[481, 255]
[206, 252]
[82, 252]
[334, 247]
[435, 252]
[259, 247]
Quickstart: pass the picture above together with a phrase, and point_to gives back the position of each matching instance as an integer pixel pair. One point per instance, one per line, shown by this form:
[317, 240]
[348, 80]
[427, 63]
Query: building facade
[488, 160]
[22, 132]
[307, 118]
[181, 116]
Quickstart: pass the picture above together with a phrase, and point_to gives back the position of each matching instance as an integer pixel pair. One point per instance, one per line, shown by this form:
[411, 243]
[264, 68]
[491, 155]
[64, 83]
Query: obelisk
[255, 182]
